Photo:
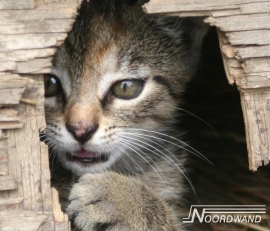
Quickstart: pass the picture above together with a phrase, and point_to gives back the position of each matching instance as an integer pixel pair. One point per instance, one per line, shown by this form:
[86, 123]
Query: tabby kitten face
[120, 72]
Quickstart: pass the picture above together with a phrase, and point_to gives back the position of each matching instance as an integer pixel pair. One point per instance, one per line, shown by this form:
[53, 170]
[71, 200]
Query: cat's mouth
[85, 157]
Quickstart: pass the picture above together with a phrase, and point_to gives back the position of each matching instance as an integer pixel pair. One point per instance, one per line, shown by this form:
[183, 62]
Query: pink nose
[82, 133]
[82, 121]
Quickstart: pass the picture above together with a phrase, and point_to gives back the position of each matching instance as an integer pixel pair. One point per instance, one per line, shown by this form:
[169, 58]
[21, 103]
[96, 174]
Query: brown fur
[139, 185]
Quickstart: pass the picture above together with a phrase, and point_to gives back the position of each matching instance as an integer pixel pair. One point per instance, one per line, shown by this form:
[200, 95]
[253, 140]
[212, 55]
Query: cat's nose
[82, 133]
[82, 121]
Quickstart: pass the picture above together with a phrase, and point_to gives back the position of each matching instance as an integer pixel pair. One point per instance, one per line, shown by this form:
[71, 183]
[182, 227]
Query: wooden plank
[3, 156]
[7, 66]
[60, 12]
[26, 55]
[8, 115]
[255, 82]
[14, 96]
[30, 153]
[54, 3]
[12, 201]
[30, 41]
[14, 4]
[252, 52]
[10, 125]
[244, 22]
[7, 183]
[10, 81]
[234, 72]
[2, 137]
[250, 8]
[22, 223]
[261, 37]
[15, 170]
[256, 115]
[62, 222]
[257, 65]
[34, 66]
[45, 179]
[12, 86]
[172, 6]
[30, 27]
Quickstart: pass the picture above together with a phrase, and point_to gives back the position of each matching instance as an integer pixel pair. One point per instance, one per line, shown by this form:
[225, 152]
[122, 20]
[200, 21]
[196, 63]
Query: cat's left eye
[127, 89]
[52, 85]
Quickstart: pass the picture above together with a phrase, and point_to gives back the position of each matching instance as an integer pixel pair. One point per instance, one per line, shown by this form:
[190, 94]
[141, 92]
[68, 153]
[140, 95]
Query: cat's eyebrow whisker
[129, 145]
[192, 151]
[166, 158]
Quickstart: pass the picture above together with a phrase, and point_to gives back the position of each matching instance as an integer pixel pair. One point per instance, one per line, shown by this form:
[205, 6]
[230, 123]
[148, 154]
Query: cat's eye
[52, 85]
[127, 89]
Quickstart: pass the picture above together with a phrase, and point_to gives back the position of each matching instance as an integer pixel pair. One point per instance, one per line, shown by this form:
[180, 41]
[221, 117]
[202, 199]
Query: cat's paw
[109, 201]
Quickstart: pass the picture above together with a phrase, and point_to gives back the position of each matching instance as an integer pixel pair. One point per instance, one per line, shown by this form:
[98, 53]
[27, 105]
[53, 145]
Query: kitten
[111, 108]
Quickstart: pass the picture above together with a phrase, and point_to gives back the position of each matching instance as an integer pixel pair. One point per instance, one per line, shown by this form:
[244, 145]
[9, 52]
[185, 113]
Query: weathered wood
[252, 52]
[12, 86]
[244, 22]
[7, 183]
[30, 27]
[34, 66]
[60, 218]
[14, 4]
[261, 37]
[7, 66]
[256, 108]
[207, 6]
[45, 179]
[12, 201]
[8, 115]
[11, 125]
[60, 12]
[29, 41]
[257, 65]
[248, 8]
[12, 81]
[26, 55]
[22, 223]
[2, 137]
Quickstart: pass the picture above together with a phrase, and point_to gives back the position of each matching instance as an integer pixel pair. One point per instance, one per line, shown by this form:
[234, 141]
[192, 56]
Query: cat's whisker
[128, 144]
[193, 151]
[203, 121]
[133, 162]
[159, 145]
[135, 143]
[52, 155]
[54, 146]
[166, 158]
